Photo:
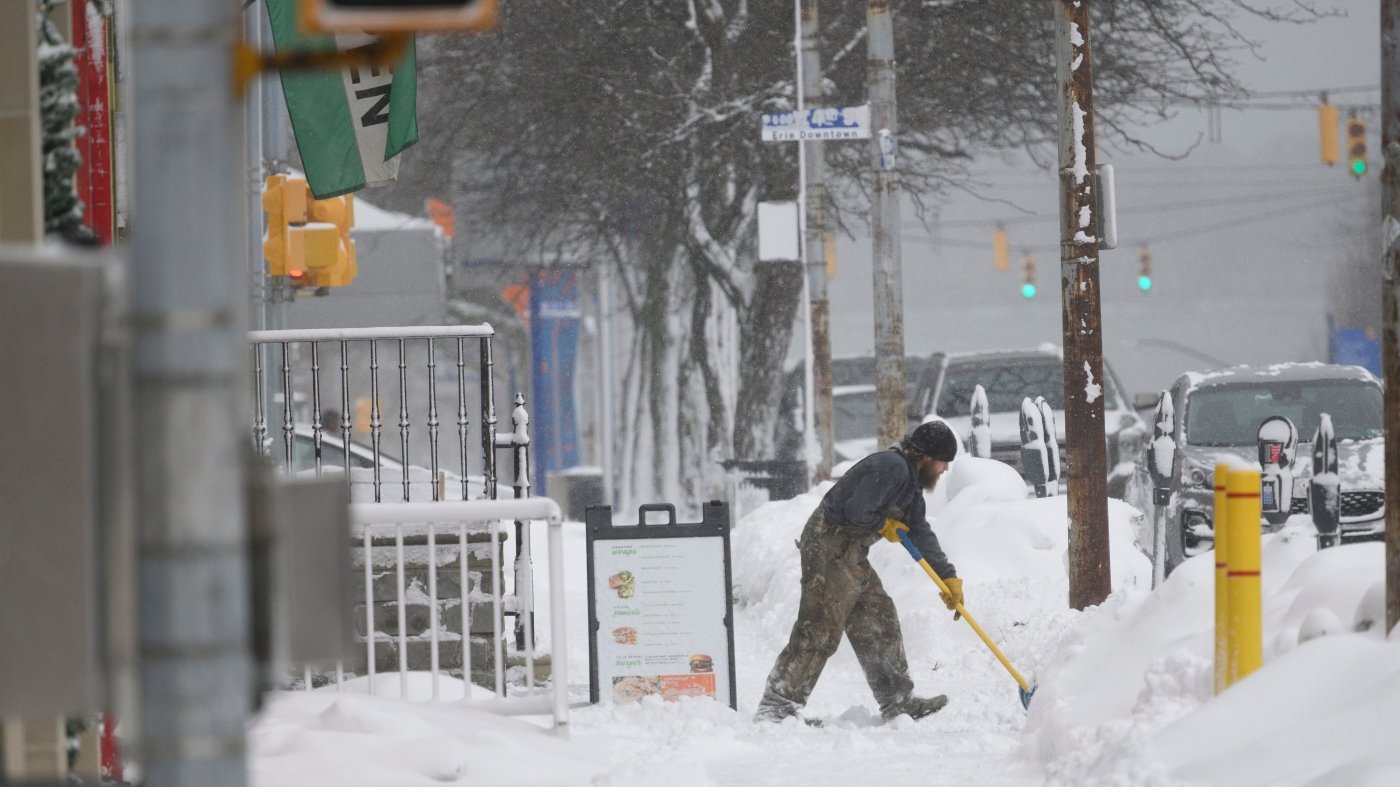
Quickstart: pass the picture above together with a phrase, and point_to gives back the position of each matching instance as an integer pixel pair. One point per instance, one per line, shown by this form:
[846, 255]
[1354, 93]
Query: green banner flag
[352, 124]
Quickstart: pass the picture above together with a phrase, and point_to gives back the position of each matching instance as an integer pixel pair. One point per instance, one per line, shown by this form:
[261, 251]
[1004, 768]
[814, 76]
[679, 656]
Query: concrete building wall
[401, 281]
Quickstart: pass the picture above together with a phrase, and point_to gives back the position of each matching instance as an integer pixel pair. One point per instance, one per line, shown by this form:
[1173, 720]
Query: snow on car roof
[1281, 372]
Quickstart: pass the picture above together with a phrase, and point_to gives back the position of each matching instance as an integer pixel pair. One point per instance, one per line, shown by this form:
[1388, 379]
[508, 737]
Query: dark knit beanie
[934, 439]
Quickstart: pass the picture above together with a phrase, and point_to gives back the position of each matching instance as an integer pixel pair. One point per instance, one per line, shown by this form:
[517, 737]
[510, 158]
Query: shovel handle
[943, 587]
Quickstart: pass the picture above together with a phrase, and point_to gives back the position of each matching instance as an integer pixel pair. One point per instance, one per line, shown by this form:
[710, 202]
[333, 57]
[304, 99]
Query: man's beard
[928, 476]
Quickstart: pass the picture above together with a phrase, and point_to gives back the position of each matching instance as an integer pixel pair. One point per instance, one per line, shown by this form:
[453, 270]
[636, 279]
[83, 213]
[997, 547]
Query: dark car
[854, 406]
[948, 380]
[1218, 414]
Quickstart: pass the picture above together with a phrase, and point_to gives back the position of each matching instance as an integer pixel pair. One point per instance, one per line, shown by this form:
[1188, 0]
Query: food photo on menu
[630, 688]
[625, 635]
[624, 583]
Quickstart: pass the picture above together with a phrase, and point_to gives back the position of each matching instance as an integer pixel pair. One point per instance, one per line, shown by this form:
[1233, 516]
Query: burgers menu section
[660, 606]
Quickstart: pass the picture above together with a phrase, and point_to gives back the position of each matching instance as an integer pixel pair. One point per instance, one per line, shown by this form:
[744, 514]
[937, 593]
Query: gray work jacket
[886, 484]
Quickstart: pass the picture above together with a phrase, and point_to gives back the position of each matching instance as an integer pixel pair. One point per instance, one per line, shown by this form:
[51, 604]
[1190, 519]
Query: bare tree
[626, 132]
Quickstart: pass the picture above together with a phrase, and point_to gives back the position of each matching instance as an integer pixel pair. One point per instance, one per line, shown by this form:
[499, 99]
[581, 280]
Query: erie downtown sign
[818, 123]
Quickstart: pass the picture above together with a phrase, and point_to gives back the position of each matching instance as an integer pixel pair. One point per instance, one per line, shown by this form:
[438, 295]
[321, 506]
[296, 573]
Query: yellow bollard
[1246, 636]
[1222, 592]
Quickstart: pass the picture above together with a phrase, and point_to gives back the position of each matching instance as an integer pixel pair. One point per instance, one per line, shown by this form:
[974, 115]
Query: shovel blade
[1026, 695]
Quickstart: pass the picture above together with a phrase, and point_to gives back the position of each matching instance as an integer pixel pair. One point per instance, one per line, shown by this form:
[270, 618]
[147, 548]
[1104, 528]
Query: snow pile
[348, 739]
[1124, 698]
[1129, 697]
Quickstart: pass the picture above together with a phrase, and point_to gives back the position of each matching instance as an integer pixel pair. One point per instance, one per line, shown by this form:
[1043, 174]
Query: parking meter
[1035, 464]
[1161, 451]
[1052, 444]
[980, 439]
[1325, 486]
[1278, 445]
[1161, 462]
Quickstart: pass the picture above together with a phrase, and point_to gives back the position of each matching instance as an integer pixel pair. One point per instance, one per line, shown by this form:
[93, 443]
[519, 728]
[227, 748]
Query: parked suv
[948, 380]
[1218, 415]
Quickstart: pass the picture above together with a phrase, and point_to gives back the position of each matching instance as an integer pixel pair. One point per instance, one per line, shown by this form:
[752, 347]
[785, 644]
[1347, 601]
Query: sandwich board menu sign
[660, 607]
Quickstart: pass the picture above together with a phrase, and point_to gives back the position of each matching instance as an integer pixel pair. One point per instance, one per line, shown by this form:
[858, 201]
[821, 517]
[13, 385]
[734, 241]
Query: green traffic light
[1358, 167]
[1028, 290]
[1144, 283]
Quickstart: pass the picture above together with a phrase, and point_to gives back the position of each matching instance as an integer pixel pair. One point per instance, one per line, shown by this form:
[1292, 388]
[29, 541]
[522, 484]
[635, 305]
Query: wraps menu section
[660, 608]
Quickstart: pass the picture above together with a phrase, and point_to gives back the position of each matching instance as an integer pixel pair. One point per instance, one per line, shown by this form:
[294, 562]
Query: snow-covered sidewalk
[1125, 693]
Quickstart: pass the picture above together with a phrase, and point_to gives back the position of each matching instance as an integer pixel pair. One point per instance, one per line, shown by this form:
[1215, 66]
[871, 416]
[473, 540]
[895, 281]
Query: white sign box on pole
[660, 607]
[777, 232]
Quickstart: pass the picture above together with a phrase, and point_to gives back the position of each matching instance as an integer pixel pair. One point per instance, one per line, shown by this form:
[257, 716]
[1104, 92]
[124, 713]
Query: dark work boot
[914, 707]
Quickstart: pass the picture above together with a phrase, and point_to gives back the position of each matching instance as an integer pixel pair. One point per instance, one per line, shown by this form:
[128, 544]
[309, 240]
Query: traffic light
[334, 263]
[1144, 269]
[308, 240]
[1028, 276]
[1001, 249]
[285, 205]
[1356, 146]
[398, 16]
[1327, 131]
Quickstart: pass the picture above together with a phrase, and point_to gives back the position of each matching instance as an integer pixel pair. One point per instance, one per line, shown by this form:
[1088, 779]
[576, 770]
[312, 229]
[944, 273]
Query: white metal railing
[462, 517]
[294, 374]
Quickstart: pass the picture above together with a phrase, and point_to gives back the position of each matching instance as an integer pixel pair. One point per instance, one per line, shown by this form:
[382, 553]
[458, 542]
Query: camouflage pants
[840, 593]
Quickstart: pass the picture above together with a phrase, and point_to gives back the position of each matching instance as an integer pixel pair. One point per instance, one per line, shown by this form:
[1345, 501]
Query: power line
[1185, 232]
[1234, 199]
[1313, 93]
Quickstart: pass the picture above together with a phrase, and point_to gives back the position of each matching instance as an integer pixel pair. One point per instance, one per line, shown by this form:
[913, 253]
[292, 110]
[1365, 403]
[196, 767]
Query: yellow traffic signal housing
[398, 16]
[308, 240]
[1356, 146]
[284, 200]
[1001, 247]
[338, 267]
[1327, 131]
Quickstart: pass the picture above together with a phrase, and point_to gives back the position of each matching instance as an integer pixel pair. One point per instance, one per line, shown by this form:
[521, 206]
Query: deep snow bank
[1128, 698]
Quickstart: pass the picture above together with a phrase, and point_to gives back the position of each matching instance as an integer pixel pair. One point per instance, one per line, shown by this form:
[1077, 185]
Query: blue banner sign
[555, 313]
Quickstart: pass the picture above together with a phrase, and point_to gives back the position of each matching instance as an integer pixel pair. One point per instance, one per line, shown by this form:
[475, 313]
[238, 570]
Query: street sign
[818, 123]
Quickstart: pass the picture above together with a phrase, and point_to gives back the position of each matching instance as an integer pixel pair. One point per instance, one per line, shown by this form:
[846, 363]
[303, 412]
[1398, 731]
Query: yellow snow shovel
[894, 530]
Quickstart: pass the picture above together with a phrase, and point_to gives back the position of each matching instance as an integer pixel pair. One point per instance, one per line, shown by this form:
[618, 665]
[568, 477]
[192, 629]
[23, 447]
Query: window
[854, 415]
[1231, 414]
[1007, 383]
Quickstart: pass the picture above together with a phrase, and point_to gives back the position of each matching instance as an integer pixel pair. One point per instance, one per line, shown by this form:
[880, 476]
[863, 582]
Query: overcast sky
[1253, 291]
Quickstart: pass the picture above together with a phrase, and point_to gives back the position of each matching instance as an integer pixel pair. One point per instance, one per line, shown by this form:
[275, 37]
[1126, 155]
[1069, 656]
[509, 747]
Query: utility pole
[253, 168]
[1089, 581]
[884, 217]
[190, 360]
[21, 171]
[817, 241]
[1390, 299]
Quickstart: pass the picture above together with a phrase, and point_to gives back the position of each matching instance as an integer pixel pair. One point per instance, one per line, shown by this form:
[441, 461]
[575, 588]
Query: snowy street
[1124, 695]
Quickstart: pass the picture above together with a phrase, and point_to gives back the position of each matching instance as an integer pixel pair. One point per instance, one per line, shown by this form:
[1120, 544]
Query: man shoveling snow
[842, 592]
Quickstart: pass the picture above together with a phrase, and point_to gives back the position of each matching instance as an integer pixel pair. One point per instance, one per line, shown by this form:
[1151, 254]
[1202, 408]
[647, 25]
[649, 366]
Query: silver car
[1218, 415]
[948, 380]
